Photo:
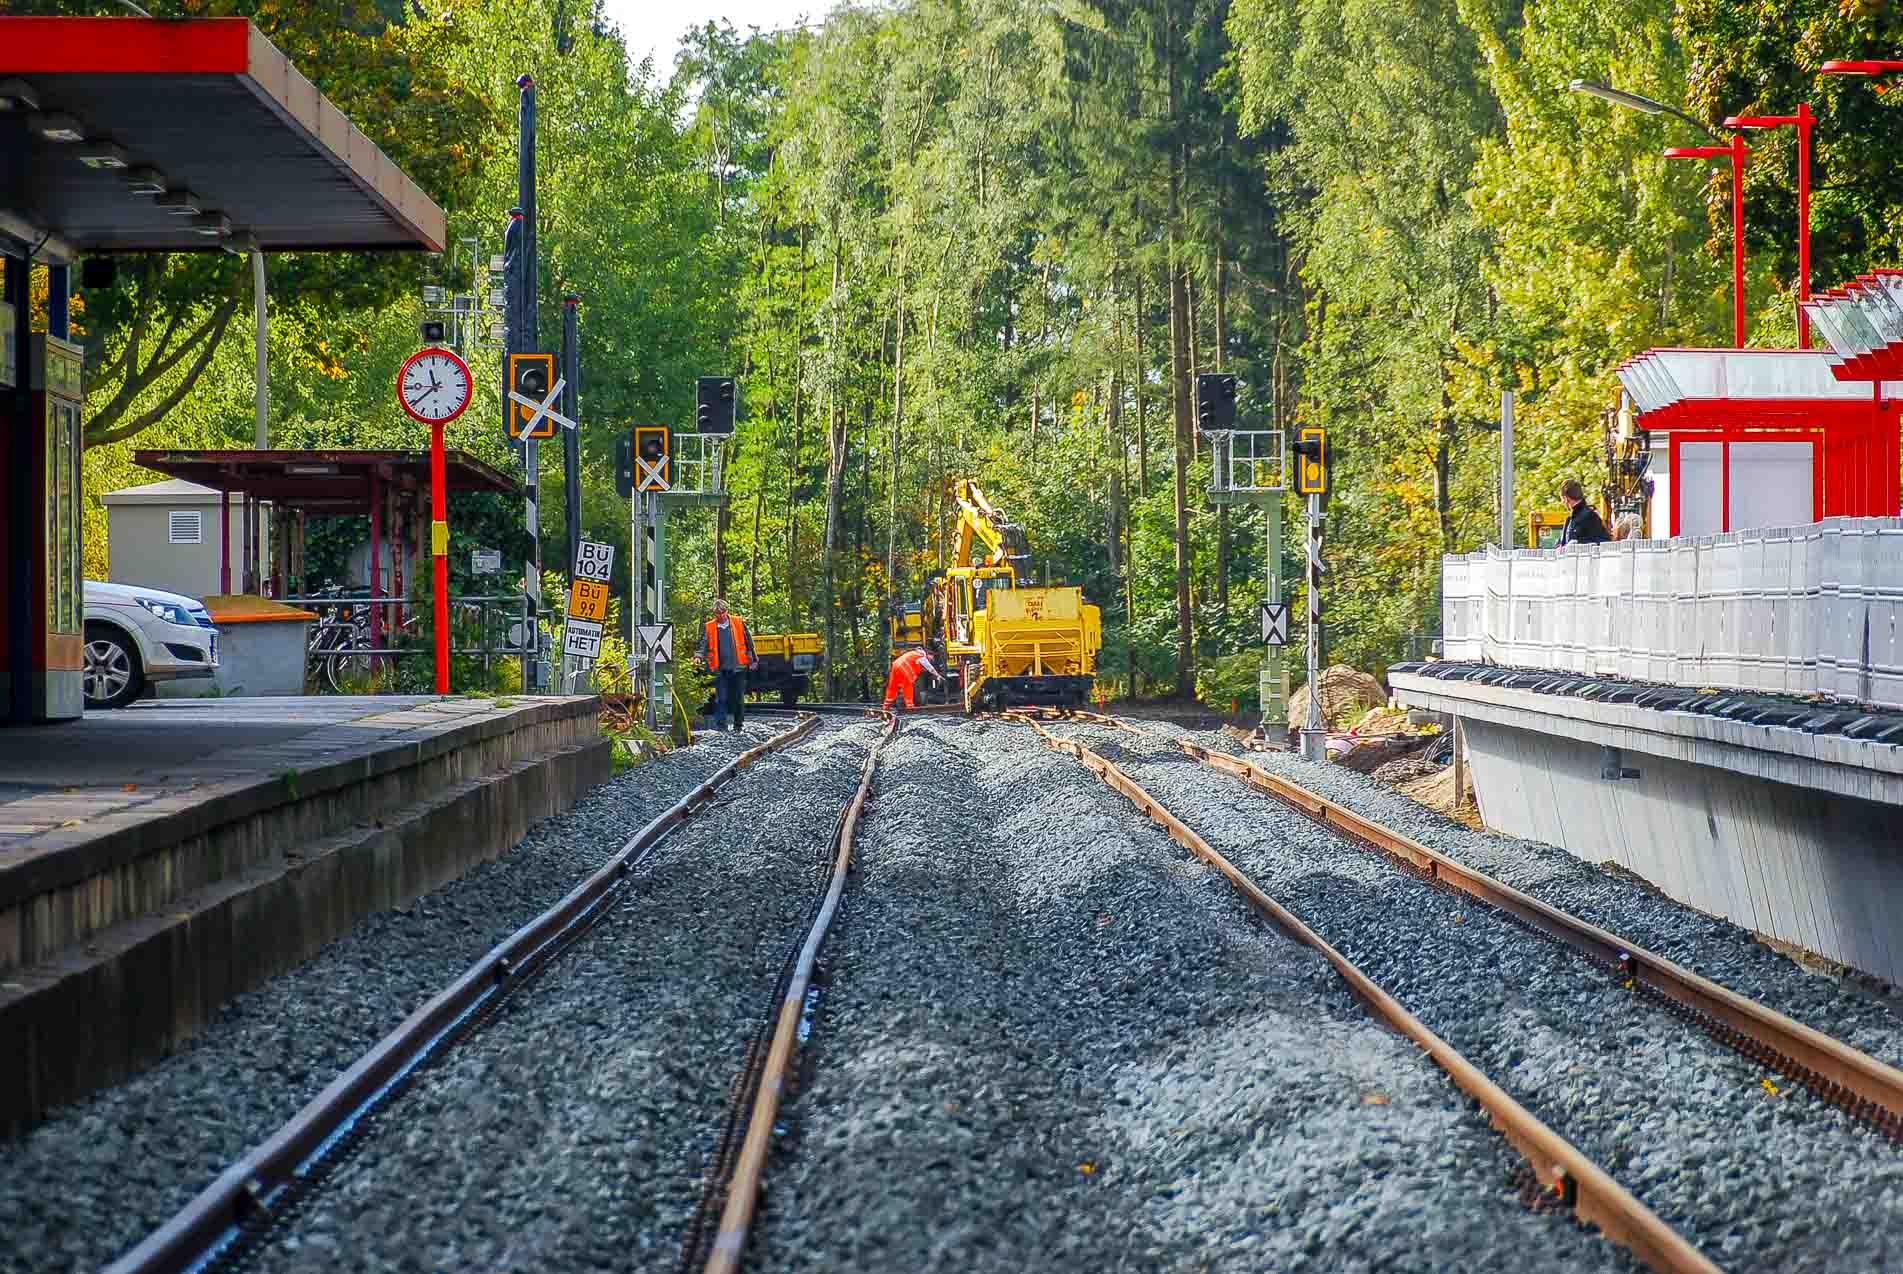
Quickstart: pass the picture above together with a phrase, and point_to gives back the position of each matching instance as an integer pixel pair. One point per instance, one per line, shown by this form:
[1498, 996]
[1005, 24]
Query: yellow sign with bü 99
[588, 599]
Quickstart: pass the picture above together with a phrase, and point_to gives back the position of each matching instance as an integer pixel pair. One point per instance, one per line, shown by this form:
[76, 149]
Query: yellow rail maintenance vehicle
[787, 664]
[1008, 643]
[905, 624]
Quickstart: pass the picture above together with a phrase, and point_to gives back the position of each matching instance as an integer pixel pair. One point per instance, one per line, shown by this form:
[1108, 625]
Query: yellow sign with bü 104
[588, 599]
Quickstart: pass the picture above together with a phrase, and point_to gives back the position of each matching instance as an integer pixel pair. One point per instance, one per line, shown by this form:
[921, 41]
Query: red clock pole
[417, 396]
[439, 551]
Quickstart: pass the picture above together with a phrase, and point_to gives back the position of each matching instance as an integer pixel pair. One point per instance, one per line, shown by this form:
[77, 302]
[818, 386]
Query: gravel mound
[1051, 1040]
[1760, 1176]
[85, 1186]
[569, 1133]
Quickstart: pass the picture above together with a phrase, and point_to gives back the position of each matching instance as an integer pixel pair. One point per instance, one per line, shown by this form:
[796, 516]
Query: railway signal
[714, 403]
[533, 394]
[1215, 402]
[1313, 462]
[652, 461]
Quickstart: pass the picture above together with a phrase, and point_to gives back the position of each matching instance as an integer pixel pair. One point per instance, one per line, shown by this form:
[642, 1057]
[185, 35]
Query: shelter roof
[323, 482]
[1693, 387]
[214, 109]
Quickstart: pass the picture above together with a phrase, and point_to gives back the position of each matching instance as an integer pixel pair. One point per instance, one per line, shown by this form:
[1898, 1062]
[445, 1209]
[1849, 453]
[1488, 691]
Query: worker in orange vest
[728, 654]
[906, 670]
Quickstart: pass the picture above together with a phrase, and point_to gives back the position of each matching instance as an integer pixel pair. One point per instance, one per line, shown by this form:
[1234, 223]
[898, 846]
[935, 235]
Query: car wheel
[113, 677]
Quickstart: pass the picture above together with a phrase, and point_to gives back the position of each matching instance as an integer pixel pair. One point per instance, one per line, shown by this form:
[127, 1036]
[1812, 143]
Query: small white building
[165, 535]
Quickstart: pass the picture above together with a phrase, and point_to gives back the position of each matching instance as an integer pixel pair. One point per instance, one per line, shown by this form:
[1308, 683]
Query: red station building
[136, 135]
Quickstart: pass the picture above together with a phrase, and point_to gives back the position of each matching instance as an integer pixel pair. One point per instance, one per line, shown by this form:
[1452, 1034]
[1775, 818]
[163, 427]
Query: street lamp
[1634, 102]
[1802, 122]
[1737, 153]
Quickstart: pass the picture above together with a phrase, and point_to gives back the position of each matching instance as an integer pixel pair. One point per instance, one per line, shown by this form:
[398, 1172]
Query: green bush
[1231, 678]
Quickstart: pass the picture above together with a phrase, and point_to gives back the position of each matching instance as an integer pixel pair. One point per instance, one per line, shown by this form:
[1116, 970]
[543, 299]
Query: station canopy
[1688, 388]
[159, 135]
[1862, 322]
[324, 482]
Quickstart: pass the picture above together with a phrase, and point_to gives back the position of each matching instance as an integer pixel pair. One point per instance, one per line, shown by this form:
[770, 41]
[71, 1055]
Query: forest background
[997, 239]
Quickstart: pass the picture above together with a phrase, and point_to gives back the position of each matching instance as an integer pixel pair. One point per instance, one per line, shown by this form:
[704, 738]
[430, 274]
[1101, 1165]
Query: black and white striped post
[524, 329]
[1314, 728]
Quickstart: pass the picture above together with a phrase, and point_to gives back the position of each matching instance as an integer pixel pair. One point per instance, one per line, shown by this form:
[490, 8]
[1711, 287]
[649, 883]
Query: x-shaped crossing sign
[545, 408]
[651, 475]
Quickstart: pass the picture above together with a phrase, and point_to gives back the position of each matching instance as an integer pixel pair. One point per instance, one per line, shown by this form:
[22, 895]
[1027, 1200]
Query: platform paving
[156, 752]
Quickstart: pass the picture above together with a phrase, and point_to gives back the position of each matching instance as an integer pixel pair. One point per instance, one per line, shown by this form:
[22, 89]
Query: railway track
[253, 1201]
[738, 1166]
[1862, 1088]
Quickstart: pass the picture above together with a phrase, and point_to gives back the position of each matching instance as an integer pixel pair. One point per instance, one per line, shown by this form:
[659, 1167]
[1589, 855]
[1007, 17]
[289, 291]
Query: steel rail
[246, 1189]
[1863, 1087]
[1560, 1166]
[850, 709]
[744, 1190]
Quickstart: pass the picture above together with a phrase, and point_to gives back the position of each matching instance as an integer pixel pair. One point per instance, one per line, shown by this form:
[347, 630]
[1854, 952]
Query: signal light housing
[1215, 402]
[624, 465]
[715, 401]
[1312, 461]
[653, 458]
[530, 375]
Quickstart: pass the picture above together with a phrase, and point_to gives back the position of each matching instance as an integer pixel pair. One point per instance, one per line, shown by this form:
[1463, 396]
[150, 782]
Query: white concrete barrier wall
[1802, 610]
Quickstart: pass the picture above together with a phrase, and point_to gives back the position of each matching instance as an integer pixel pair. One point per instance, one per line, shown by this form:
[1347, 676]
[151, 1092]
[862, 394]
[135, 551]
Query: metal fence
[1806, 610]
[343, 648]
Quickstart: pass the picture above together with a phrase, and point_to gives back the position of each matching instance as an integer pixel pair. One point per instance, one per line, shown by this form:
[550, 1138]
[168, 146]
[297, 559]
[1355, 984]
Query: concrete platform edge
[1826, 763]
[249, 796]
[1755, 824]
[135, 991]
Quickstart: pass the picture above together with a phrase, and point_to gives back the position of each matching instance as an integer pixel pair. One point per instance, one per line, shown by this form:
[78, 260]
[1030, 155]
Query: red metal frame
[1739, 154]
[1802, 122]
[1821, 449]
[125, 46]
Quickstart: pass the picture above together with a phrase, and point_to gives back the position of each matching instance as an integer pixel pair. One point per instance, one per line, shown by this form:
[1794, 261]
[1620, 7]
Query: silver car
[138, 636]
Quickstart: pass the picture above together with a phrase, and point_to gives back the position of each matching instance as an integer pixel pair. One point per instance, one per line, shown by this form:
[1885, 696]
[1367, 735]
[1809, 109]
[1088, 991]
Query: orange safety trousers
[904, 679]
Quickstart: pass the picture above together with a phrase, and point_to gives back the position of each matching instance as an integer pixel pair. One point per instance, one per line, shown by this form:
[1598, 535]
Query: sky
[655, 26]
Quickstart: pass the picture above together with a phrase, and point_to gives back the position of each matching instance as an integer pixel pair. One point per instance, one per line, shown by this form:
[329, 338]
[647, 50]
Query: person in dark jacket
[1583, 523]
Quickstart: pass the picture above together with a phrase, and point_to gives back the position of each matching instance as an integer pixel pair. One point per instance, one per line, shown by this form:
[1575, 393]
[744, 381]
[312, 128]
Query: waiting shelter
[390, 487]
[138, 135]
[1764, 437]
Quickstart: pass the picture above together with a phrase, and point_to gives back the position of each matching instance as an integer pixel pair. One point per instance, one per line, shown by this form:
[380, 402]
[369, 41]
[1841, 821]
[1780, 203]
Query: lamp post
[1737, 153]
[1635, 102]
[1802, 122]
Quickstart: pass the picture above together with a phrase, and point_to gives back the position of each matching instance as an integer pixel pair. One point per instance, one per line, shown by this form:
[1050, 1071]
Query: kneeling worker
[906, 670]
[728, 654]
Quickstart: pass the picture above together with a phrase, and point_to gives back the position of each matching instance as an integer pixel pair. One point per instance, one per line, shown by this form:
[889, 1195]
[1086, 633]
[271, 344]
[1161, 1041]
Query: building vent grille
[187, 527]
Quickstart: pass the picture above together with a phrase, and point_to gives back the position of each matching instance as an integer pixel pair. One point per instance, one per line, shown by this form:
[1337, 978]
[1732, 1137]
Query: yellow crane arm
[1004, 541]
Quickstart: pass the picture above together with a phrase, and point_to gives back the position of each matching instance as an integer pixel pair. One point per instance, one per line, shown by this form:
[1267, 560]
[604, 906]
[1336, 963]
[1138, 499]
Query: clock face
[434, 386]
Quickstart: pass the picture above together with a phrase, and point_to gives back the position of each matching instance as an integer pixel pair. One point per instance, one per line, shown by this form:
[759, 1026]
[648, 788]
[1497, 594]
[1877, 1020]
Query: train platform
[158, 859]
[1721, 715]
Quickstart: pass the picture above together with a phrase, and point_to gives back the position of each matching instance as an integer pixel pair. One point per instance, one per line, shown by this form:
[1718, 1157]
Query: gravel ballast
[1760, 1176]
[1051, 1040]
[570, 1132]
[88, 1184]
[1714, 947]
